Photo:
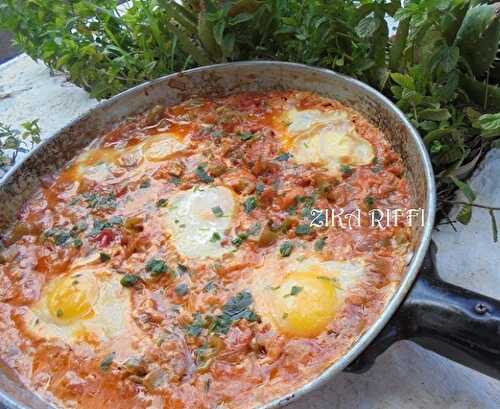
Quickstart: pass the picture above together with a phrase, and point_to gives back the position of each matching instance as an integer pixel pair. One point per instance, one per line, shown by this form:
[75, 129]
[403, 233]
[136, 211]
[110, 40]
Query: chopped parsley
[181, 289]
[129, 280]
[78, 228]
[145, 184]
[196, 327]
[286, 249]
[107, 361]
[246, 136]
[215, 237]
[254, 230]
[260, 187]
[250, 204]
[100, 225]
[104, 257]
[283, 157]
[216, 134]
[294, 291]
[181, 269]
[239, 239]
[59, 236]
[217, 211]
[346, 170]
[156, 266]
[161, 202]
[235, 309]
[176, 180]
[202, 173]
[302, 229]
[211, 286]
[99, 201]
[319, 244]
[369, 201]
[77, 243]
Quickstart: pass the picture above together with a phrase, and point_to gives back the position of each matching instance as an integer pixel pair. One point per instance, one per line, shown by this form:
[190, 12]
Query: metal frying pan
[449, 320]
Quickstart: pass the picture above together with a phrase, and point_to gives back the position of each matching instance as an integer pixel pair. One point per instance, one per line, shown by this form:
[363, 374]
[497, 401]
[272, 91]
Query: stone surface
[405, 376]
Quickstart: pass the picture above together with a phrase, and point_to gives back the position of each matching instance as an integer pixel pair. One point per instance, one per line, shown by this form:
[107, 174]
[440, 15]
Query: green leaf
[446, 59]
[403, 80]
[465, 214]
[465, 188]
[489, 121]
[367, 26]
[398, 45]
[434, 114]
[479, 36]
[484, 95]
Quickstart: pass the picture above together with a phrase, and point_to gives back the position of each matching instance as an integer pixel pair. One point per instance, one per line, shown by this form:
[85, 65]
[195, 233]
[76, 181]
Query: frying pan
[452, 321]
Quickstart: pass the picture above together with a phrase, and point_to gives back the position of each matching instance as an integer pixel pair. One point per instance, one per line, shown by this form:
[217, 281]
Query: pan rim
[413, 267]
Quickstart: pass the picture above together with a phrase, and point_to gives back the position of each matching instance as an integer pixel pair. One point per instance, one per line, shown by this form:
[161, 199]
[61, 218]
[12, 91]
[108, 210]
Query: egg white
[161, 147]
[192, 224]
[326, 138]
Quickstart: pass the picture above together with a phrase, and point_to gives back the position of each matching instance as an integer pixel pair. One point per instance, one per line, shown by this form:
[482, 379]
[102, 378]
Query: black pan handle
[454, 322]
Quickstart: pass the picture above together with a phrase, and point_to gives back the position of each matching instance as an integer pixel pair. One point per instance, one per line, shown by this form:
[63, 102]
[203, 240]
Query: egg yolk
[71, 298]
[160, 147]
[304, 304]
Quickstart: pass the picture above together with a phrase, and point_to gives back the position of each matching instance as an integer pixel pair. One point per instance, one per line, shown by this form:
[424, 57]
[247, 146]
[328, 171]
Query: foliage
[14, 141]
[439, 67]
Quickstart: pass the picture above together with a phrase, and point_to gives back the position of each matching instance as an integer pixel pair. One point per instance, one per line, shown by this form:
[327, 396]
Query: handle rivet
[481, 308]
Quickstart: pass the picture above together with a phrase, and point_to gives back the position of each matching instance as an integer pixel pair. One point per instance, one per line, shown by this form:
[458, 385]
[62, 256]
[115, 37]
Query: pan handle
[454, 322]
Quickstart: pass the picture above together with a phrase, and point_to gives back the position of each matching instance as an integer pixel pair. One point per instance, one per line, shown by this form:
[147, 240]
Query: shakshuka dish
[174, 262]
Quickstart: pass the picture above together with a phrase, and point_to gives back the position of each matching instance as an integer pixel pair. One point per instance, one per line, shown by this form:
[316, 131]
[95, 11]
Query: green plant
[440, 66]
[14, 141]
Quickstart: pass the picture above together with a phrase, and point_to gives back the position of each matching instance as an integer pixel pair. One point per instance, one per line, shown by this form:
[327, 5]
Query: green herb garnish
[235, 309]
[161, 202]
[202, 174]
[107, 361]
[294, 291]
[282, 157]
[145, 184]
[246, 136]
[302, 229]
[104, 257]
[250, 204]
[181, 289]
[346, 170]
[286, 249]
[215, 237]
[129, 280]
[217, 211]
[156, 267]
[319, 244]
[369, 201]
